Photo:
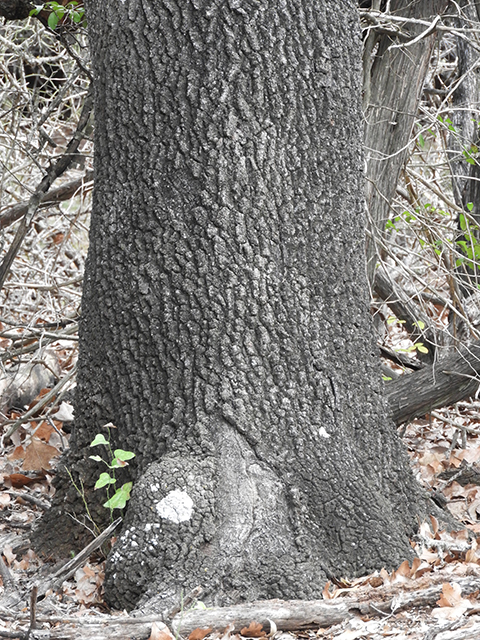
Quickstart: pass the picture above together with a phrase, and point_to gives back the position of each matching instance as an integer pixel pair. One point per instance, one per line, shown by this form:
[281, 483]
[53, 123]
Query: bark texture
[225, 326]
[465, 142]
[393, 83]
[15, 9]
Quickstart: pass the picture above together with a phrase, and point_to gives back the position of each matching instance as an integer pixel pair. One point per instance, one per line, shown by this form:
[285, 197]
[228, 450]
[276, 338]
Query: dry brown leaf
[89, 572]
[254, 630]
[199, 634]
[4, 500]
[19, 480]
[451, 604]
[17, 454]
[384, 576]
[38, 455]
[26, 561]
[326, 591]
[160, 632]
[227, 633]
[415, 565]
[451, 595]
[375, 581]
[44, 431]
[402, 572]
[89, 582]
[58, 237]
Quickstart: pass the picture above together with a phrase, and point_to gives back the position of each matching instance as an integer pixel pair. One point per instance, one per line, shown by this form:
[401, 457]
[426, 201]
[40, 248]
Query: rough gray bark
[225, 326]
[393, 81]
[15, 9]
[465, 117]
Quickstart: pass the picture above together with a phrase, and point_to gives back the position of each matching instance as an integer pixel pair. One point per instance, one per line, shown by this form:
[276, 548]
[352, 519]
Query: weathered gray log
[104, 629]
[286, 615]
[295, 615]
[449, 380]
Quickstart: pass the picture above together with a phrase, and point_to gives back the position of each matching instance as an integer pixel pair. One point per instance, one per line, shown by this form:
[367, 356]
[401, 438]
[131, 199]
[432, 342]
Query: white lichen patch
[323, 433]
[177, 506]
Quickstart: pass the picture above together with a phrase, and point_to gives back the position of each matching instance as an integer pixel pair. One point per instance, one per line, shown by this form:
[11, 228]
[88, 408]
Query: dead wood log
[95, 628]
[295, 615]
[449, 380]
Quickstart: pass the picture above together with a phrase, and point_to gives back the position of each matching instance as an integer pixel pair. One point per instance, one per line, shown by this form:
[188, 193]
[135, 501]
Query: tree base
[232, 525]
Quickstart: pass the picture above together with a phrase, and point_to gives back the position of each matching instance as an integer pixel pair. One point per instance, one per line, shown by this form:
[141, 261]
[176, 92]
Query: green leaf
[104, 479]
[463, 222]
[386, 378]
[421, 348]
[117, 464]
[52, 20]
[123, 455]
[420, 324]
[470, 206]
[96, 458]
[99, 439]
[421, 140]
[119, 499]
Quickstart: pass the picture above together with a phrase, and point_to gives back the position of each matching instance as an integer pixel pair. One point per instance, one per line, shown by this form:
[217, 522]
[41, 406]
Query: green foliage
[468, 245]
[418, 346]
[120, 497]
[118, 459]
[58, 12]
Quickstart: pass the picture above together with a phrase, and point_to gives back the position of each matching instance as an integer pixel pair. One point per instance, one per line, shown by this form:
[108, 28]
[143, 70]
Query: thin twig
[40, 404]
[33, 608]
[56, 170]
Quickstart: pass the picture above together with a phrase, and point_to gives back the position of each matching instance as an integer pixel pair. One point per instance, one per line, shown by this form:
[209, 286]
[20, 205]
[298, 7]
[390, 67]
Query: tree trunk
[464, 142]
[393, 84]
[225, 326]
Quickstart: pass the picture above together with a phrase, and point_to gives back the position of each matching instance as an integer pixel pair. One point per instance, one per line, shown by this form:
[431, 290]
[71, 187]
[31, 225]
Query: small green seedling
[119, 459]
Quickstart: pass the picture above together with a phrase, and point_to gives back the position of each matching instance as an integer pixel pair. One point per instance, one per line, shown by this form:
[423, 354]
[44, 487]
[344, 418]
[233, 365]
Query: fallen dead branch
[448, 381]
[281, 615]
[90, 628]
[297, 614]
